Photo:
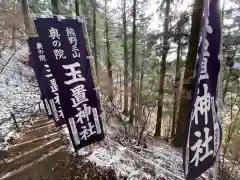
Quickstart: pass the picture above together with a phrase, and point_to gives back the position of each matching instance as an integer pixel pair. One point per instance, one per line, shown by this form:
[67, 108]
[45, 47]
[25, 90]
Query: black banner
[47, 106]
[203, 137]
[41, 84]
[64, 45]
[46, 80]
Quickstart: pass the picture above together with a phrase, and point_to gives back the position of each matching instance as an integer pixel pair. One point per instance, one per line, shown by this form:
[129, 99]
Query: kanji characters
[46, 65]
[209, 28]
[53, 86]
[76, 53]
[40, 51]
[56, 98]
[60, 113]
[48, 70]
[201, 148]
[57, 43]
[70, 32]
[76, 75]
[39, 45]
[54, 110]
[42, 57]
[79, 95]
[59, 54]
[49, 75]
[73, 40]
[202, 105]
[203, 73]
[96, 120]
[74, 131]
[206, 54]
[87, 131]
[83, 113]
[54, 33]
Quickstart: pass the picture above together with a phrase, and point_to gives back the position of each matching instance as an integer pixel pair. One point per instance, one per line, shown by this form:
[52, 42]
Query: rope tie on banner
[82, 20]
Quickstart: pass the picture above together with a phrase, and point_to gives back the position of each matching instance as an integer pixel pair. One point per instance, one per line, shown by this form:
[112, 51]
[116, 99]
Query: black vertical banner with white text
[41, 82]
[64, 44]
[203, 137]
[48, 82]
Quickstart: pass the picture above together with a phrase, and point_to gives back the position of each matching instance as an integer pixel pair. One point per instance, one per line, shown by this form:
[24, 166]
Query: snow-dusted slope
[18, 89]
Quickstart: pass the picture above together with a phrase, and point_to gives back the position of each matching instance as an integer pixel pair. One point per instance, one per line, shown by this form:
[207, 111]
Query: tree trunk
[189, 72]
[125, 46]
[14, 30]
[120, 93]
[141, 79]
[29, 27]
[227, 83]
[109, 63]
[55, 7]
[14, 38]
[95, 38]
[133, 86]
[77, 8]
[176, 85]
[162, 70]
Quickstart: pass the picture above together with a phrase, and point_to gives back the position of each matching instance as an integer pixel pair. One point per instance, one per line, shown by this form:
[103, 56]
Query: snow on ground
[158, 161]
[148, 164]
[18, 92]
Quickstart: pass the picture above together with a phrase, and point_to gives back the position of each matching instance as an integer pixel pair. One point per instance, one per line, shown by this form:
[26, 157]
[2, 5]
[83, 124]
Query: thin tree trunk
[125, 46]
[162, 70]
[77, 7]
[14, 38]
[120, 93]
[140, 89]
[109, 63]
[116, 87]
[14, 30]
[227, 83]
[94, 4]
[141, 79]
[133, 86]
[189, 72]
[29, 27]
[55, 7]
[176, 85]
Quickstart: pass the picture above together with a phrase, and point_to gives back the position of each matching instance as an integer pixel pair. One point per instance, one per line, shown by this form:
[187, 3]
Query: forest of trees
[145, 73]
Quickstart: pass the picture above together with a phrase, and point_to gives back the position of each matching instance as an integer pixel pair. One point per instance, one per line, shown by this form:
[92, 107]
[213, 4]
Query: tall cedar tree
[180, 24]
[133, 87]
[125, 46]
[163, 69]
[176, 85]
[189, 72]
[109, 63]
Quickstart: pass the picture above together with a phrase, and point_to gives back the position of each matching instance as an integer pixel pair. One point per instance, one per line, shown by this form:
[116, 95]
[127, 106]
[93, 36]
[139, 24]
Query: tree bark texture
[125, 46]
[133, 85]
